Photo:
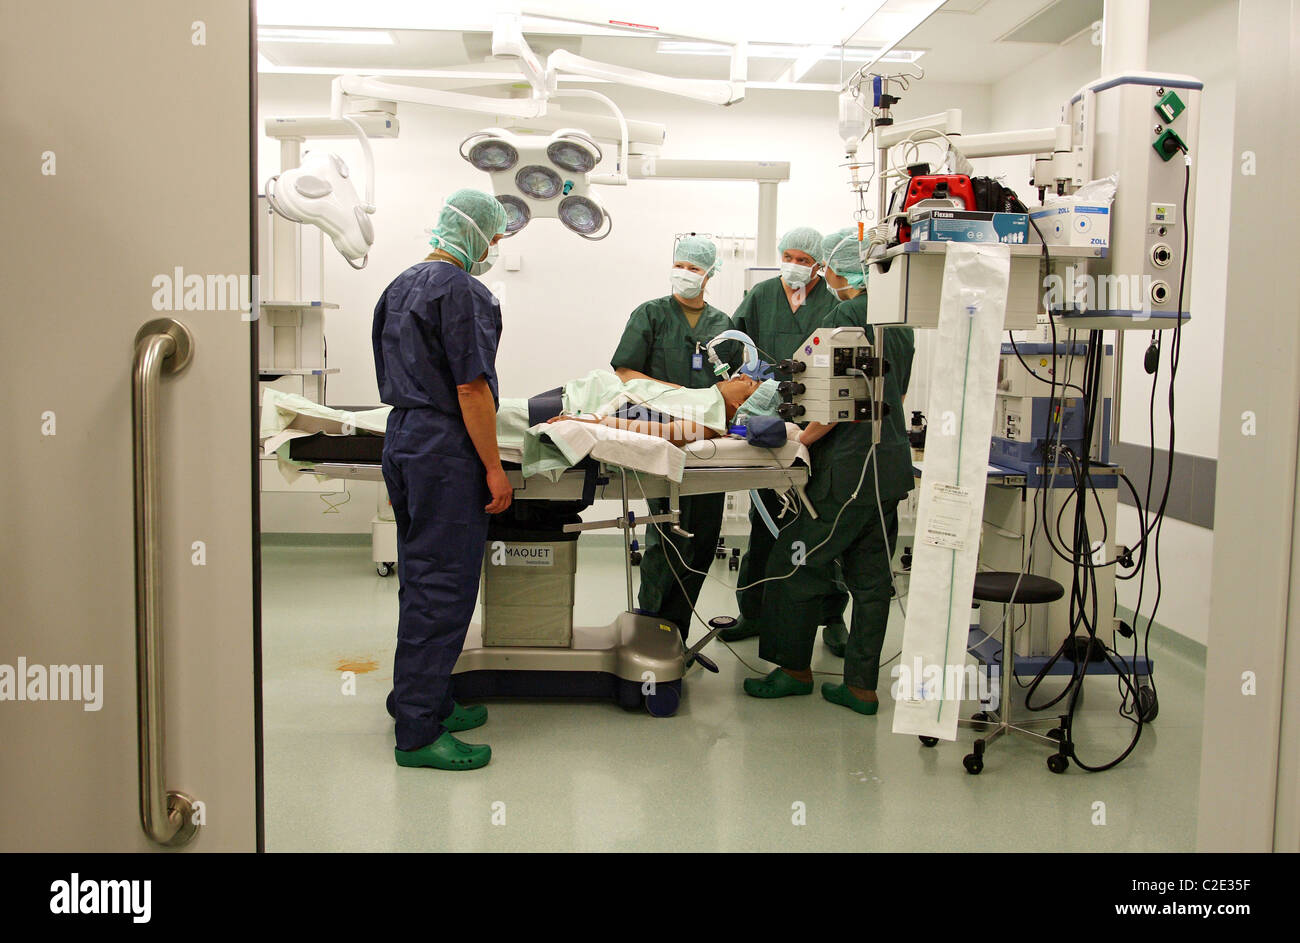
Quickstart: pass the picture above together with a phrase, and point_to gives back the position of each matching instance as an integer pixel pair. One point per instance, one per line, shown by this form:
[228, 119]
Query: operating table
[637, 659]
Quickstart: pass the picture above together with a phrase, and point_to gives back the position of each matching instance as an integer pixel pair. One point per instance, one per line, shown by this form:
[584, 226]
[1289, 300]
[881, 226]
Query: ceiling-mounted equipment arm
[508, 43]
[369, 205]
[367, 87]
[706, 90]
[619, 177]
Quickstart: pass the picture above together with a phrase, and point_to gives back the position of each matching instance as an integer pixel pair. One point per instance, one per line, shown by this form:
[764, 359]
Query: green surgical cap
[698, 251]
[840, 249]
[803, 239]
[762, 402]
[456, 236]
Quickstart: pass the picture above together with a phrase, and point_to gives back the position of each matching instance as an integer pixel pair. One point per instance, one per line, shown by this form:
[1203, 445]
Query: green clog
[840, 694]
[446, 753]
[776, 684]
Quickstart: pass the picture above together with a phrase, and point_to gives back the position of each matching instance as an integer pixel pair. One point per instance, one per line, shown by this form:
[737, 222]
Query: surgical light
[582, 214]
[538, 176]
[579, 155]
[538, 182]
[517, 213]
[493, 155]
[319, 192]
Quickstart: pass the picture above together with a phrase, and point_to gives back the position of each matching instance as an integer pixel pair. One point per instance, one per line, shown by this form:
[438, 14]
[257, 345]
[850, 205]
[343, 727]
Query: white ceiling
[963, 41]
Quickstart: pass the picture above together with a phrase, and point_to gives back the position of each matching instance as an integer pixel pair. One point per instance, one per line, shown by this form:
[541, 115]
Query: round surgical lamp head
[518, 214]
[574, 152]
[492, 151]
[492, 155]
[584, 216]
[538, 182]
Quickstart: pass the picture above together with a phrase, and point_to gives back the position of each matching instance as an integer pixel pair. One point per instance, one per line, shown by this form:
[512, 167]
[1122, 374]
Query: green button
[1170, 106]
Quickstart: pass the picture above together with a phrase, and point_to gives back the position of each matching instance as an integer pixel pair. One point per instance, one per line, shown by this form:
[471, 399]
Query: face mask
[478, 268]
[686, 283]
[796, 275]
[841, 293]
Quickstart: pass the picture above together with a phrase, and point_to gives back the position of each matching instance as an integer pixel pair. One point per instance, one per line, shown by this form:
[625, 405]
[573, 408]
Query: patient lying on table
[644, 406]
[677, 414]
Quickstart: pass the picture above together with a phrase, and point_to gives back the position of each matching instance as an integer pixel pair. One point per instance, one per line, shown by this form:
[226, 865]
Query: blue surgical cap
[762, 402]
[454, 234]
[698, 250]
[803, 239]
[840, 249]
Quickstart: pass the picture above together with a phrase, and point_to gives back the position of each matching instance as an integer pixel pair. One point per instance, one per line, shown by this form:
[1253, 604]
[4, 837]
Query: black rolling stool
[1028, 589]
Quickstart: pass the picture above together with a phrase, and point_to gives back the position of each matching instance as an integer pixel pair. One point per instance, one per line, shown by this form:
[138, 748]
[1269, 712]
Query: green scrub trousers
[792, 612]
[860, 544]
[659, 342]
[764, 314]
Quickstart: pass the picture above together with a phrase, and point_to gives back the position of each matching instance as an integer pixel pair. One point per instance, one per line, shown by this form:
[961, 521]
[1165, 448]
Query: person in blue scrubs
[435, 337]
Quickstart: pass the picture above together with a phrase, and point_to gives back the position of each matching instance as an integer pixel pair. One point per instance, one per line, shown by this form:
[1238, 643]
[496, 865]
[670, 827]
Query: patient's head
[748, 397]
[735, 391]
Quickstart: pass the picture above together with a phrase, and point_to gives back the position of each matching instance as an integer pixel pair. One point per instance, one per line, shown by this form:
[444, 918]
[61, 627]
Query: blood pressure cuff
[545, 406]
[640, 413]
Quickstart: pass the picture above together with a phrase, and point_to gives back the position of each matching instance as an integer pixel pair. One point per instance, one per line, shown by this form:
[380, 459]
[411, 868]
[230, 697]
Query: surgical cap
[456, 236]
[762, 402]
[698, 251]
[803, 239]
[840, 250]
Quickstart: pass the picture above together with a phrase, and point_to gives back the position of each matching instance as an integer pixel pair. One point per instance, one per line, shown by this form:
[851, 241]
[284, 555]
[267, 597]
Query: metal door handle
[162, 347]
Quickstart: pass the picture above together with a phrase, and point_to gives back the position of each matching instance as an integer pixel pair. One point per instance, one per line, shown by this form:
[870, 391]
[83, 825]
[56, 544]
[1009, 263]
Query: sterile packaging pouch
[928, 686]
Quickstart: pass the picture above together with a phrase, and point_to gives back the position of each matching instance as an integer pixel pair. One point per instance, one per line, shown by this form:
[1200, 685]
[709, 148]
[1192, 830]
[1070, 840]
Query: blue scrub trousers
[438, 494]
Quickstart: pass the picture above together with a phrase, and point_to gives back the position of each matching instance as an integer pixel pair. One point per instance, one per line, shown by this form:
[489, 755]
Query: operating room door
[125, 161]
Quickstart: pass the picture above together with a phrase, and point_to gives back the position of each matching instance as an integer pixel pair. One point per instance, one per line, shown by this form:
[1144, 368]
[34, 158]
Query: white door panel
[149, 136]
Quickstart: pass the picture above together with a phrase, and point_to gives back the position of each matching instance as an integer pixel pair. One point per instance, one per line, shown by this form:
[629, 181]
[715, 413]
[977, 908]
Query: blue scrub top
[436, 327]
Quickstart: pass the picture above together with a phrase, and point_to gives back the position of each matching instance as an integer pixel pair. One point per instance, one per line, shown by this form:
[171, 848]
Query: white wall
[565, 309]
[1195, 37]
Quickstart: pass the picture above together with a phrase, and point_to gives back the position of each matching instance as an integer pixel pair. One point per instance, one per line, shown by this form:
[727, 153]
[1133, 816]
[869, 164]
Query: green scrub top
[765, 316]
[659, 342]
[838, 456]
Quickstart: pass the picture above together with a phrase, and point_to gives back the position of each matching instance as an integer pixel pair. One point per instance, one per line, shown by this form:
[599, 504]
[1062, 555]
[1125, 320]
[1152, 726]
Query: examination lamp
[319, 191]
[541, 177]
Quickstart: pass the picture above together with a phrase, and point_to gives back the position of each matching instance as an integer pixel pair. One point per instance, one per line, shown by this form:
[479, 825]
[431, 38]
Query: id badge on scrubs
[697, 361]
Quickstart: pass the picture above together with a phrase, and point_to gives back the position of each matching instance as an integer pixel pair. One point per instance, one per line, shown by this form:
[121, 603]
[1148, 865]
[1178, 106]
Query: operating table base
[637, 660]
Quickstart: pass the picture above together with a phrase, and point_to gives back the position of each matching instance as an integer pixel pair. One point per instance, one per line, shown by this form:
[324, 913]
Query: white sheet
[656, 456]
[286, 416]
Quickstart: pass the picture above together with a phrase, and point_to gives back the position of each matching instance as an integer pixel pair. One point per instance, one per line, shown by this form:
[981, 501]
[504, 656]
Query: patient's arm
[679, 432]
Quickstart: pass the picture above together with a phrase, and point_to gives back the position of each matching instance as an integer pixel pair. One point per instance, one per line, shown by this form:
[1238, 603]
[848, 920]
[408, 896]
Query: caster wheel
[1148, 704]
[928, 741]
[982, 717]
[384, 569]
[974, 763]
[664, 702]
[1056, 733]
[635, 558]
[733, 563]
[1058, 763]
